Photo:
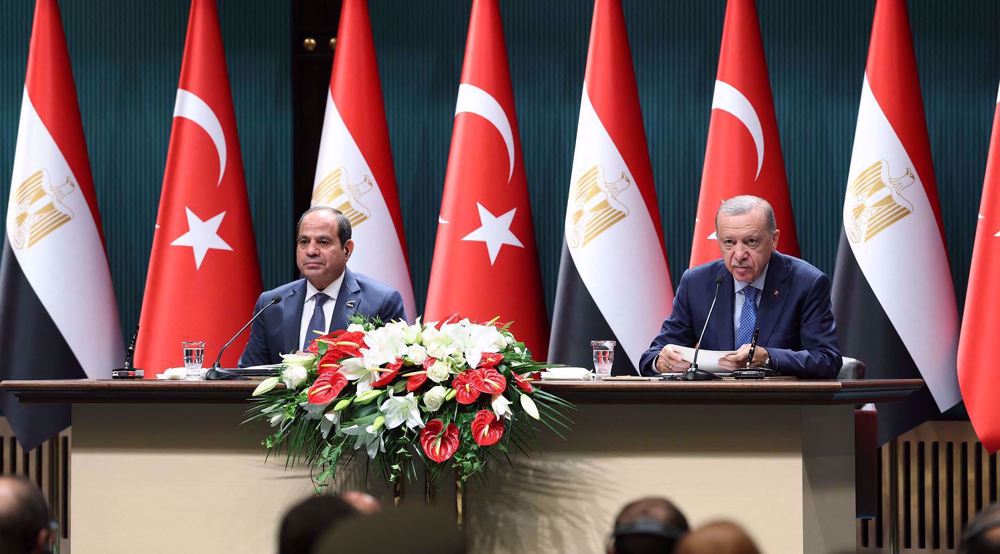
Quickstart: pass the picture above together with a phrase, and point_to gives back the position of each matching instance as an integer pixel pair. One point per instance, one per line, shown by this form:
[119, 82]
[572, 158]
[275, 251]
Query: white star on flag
[494, 231]
[202, 236]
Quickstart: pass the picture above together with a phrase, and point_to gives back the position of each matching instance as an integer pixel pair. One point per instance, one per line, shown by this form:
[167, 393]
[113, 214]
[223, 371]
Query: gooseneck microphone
[215, 373]
[693, 373]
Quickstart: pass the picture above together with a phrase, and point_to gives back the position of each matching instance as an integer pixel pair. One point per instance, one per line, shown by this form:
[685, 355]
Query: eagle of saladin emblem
[875, 201]
[39, 209]
[594, 206]
[335, 191]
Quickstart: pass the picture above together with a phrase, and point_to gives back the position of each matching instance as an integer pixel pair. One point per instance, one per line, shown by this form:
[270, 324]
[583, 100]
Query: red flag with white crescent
[203, 272]
[977, 378]
[485, 261]
[354, 171]
[743, 155]
[58, 313]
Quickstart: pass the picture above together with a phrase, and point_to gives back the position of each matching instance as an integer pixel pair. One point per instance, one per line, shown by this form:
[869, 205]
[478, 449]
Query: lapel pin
[351, 303]
[776, 293]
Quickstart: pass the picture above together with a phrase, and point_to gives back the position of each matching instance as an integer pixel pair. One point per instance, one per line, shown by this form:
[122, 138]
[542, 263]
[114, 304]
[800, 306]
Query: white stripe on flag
[905, 264]
[378, 253]
[622, 267]
[67, 267]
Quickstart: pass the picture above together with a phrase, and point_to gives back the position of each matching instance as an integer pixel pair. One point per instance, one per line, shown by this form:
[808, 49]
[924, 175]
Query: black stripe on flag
[577, 320]
[866, 333]
[31, 347]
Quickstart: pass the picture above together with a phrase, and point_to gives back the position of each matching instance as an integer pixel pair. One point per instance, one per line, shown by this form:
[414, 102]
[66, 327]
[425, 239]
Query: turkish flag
[977, 377]
[203, 271]
[743, 155]
[485, 261]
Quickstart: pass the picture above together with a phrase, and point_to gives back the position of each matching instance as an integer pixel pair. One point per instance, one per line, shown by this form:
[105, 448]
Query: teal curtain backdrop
[126, 58]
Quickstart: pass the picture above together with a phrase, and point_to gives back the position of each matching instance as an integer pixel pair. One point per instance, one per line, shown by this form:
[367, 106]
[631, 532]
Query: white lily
[358, 369]
[402, 409]
[501, 406]
[328, 423]
[529, 406]
[366, 436]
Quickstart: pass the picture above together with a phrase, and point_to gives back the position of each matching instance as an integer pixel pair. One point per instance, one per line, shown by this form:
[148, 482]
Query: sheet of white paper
[708, 360]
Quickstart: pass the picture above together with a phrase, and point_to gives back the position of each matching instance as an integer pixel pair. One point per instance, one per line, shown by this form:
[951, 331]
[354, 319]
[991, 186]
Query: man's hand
[670, 360]
[738, 359]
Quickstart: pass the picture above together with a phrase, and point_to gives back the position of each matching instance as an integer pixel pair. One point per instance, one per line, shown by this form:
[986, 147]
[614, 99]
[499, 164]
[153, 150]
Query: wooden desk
[167, 465]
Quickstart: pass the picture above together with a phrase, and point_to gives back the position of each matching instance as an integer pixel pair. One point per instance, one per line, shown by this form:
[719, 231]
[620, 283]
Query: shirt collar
[330, 291]
[757, 284]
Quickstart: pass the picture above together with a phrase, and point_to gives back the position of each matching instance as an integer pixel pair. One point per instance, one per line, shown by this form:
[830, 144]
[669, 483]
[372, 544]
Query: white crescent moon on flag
[729, 99]
[473, 99]
[190, 106]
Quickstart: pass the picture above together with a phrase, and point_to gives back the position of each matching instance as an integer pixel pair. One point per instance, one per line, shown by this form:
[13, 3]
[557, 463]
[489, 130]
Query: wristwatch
[767, 362]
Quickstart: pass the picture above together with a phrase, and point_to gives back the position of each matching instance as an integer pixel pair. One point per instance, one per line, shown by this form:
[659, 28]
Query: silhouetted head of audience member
[717, 537]
[647, 526]
[310, 519]
[25, 523]
[402, 530]
[982, 534]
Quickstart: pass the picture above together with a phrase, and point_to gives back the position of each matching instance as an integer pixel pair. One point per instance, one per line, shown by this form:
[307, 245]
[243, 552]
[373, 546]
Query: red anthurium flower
[329, 362]
[465, 392]
[486, 428]
[413, 382]
[439, 442]
[388, 374]
[326, 387]
[489, 381]
[522, 382]
[490, 359]
[429, 362]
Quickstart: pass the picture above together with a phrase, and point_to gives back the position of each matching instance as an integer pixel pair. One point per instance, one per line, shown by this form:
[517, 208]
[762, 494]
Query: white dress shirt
[309, 306]
[739, 297]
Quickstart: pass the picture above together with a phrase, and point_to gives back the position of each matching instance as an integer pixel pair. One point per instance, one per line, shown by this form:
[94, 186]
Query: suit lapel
[773, 302]
[348, 300]
[291, 320]
[721, 324]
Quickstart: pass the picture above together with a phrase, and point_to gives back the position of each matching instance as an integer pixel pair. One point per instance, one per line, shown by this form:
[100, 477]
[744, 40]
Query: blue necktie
[318, 321]
[748, 316]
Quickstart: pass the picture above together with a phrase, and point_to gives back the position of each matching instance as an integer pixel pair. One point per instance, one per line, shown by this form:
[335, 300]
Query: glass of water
[194, 356]
[604, 356]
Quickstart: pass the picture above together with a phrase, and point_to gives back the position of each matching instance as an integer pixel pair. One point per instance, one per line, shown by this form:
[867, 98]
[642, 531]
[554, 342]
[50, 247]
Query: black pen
[753, 346]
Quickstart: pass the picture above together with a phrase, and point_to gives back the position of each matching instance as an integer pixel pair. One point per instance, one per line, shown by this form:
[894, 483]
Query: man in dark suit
[787, 299]
[324, 299]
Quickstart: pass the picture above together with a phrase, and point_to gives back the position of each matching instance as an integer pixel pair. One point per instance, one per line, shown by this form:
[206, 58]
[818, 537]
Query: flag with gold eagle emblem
[354, 171]
[892, 290]
[612, 220]
[58, 313]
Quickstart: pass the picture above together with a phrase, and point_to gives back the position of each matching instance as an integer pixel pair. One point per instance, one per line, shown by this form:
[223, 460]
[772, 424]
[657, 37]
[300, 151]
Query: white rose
[439, 372]
[293, 376]
[355, 327]
[411, 334]
[416, 353]
[435, 397]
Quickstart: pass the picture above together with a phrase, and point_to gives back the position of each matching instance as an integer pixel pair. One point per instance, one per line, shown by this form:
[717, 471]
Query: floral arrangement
[453, 393]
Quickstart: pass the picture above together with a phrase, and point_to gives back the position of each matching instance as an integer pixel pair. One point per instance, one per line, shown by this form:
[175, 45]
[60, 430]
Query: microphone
[215, 373]
[129, 372]
[693, 373]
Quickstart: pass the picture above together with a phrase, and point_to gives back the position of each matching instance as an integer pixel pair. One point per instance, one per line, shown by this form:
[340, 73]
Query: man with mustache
[784, 298]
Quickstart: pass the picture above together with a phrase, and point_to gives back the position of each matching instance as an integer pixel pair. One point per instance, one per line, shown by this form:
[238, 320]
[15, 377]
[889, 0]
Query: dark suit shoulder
[373, 286]
[799, 268]
[704, 272]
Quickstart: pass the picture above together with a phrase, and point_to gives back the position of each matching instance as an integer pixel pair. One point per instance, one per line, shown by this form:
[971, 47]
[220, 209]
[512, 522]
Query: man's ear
[774, 239]
[349, 248]
[45, 541]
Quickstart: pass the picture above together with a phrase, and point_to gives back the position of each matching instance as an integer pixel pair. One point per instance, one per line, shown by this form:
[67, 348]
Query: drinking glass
[604, 356]
[194, 356]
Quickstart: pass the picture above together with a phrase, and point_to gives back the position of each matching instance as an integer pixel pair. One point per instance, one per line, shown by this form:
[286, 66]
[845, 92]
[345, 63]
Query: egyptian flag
[485, 262]
[743, 155]
[892, 292]
[612, 221]
[203, 275]
[58, 313]
[977, 375]
[354, 171]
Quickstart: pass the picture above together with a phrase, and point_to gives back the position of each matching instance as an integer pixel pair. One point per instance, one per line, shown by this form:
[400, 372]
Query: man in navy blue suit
[324, 299]
[784, 298]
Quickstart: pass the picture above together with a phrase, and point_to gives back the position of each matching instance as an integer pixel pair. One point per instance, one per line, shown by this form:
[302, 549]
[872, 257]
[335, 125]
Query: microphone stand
[693, 373]
[215, 373]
